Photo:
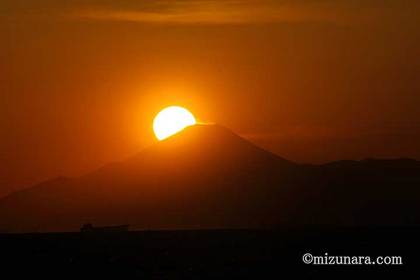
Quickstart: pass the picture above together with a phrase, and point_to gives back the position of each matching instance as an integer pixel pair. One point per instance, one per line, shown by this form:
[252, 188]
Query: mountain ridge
[208, 177]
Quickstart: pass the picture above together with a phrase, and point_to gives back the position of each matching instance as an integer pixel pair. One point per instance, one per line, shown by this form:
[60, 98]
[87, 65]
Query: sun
[171, 120]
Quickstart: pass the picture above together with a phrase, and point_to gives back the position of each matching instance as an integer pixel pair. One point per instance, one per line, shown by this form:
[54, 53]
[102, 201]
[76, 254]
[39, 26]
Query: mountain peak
[209, 142]
[204, 132]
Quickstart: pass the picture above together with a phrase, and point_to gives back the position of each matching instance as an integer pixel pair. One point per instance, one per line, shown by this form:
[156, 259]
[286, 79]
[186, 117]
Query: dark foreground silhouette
[208, 177]
[115, 228]
[207, 254]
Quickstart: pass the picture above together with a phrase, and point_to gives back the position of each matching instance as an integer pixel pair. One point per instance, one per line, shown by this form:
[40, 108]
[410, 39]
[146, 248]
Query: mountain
[208, 177]
[364, 193]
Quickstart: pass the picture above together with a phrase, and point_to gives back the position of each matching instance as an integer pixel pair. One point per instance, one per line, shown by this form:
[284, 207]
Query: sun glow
[171, 120]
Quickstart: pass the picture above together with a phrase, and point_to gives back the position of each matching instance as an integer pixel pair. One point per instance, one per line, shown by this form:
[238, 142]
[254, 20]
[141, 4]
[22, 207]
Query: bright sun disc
[172, 120]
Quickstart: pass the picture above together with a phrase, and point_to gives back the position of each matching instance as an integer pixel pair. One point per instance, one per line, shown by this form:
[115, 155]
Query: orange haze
[312, 81]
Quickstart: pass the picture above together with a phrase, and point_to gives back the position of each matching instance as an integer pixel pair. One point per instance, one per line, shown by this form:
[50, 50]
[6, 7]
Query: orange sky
[311, 80]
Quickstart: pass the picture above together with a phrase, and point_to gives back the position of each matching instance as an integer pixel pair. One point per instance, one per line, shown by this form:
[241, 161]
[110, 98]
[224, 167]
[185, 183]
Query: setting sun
[172, 120]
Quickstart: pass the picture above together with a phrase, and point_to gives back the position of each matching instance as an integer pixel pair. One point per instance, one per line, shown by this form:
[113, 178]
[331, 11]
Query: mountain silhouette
[208, 177]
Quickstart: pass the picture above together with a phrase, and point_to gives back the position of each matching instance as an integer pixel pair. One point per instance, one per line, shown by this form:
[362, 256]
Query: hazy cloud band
[216, 11]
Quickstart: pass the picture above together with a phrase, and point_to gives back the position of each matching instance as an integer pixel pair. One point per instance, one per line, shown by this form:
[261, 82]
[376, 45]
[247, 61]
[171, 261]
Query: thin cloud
[207, 12]
[252, 11]
[215, 11]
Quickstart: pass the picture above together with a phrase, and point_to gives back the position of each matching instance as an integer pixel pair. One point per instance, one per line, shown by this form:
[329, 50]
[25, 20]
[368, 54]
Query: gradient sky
[311, 80]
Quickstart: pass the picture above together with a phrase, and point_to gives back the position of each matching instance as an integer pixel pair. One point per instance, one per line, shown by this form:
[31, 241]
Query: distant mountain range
[208, 177]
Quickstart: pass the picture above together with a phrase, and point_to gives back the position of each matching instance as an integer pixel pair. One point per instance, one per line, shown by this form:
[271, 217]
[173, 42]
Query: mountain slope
[205, 176]
[208, 177]
[364, 193]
